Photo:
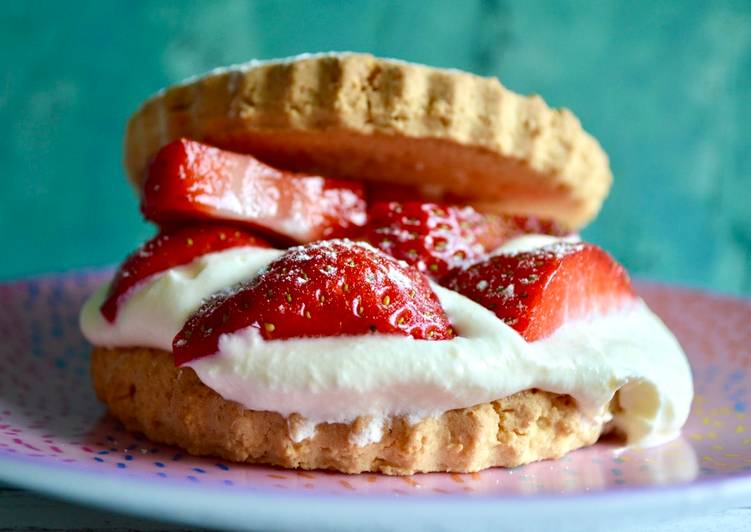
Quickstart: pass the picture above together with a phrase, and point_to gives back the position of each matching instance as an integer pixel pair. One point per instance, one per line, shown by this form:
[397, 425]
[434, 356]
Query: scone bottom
[149, 395]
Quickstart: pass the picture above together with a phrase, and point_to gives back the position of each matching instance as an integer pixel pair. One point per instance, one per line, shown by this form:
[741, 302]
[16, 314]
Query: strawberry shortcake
[369, 265]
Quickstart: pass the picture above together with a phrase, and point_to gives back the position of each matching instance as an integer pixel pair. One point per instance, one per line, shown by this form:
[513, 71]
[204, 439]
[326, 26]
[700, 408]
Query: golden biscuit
[451, 134]
[144, 390]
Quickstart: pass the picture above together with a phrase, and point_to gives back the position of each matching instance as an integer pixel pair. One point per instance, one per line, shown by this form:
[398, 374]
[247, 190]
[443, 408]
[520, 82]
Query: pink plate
[55, 437]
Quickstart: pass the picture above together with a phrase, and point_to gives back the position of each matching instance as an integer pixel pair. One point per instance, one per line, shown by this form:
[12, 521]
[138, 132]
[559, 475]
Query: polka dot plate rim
[54, 438]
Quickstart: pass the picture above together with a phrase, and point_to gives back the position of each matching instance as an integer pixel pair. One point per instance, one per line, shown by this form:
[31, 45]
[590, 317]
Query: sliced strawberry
[432, 237]
[189, 180]
[329, 288]
[436, 238]
[538, 291]
[169, 249]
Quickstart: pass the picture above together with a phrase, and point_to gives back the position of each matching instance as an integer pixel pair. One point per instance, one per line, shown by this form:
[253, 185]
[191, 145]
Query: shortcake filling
[338, 379]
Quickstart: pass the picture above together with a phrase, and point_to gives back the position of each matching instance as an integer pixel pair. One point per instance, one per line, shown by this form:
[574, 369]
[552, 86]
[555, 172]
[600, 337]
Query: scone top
[453, 135]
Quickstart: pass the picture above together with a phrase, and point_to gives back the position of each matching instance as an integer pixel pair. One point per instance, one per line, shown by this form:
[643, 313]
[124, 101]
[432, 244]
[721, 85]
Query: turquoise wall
[666, 87]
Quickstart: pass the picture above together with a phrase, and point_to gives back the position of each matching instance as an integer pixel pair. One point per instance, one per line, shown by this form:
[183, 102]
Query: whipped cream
[156, 309]
[339, 379]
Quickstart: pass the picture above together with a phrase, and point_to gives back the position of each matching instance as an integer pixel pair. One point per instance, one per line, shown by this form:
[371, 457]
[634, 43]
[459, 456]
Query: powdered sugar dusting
[534, 242]
[508, 292]
[557, 248]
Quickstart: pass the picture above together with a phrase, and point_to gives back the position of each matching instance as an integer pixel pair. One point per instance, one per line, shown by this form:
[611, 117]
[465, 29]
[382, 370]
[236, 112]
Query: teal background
[665, 86]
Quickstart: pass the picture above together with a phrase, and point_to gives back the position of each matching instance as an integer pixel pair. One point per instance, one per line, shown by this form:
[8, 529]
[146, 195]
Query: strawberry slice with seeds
[329, 288]
[538, 291]
[436, 238]
[167, 250]
[189, 180]
[432, 237]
